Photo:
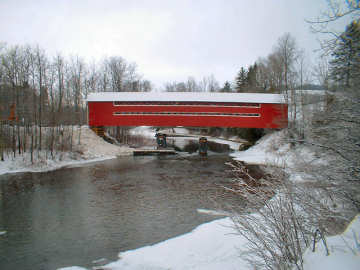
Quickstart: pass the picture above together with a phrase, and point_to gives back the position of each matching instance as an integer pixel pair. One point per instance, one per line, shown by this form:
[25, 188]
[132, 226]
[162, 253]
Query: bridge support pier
[203, 146]
[161, 140]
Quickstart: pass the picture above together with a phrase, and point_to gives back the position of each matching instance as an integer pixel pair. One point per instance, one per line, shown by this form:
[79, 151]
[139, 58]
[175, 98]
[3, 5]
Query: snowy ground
[214, 245]
[344, 251]
[272, 149]
[92, 148]
[209, 246]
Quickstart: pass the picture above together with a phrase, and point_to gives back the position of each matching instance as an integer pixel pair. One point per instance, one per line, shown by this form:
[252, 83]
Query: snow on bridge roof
[186, 96]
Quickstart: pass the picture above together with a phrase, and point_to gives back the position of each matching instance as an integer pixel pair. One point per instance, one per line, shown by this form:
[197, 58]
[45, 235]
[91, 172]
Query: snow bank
[91, 148]
[344, 251]
[44, 163]
[273, 149]
[216, 245]
[270, 149]
[210, 246]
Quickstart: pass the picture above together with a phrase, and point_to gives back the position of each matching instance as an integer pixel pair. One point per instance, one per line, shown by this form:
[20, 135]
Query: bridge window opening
[189, 114]
[187, 103]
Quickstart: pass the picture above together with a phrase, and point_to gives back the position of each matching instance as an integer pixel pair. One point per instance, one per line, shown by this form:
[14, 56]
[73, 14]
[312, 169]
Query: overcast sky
[169, 40]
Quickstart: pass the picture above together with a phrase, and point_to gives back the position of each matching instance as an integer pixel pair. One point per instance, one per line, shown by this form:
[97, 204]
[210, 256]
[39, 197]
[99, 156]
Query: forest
[42, 98]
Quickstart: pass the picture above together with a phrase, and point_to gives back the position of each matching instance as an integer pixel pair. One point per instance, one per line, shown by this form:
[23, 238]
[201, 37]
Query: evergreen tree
[345, 68]
[226, 88]
[241, 80]
[251, 78]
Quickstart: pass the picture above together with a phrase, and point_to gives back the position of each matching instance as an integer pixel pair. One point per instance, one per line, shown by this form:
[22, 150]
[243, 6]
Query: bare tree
[325, 23]
[145, 86]
[281, 216]
[335, 131]
[334, 136]
[41, 64]
[321, 72]
[170, 87]
[132, 80]
[59, 65]
[209, 84]
[191, 85]
[287, 52]
[117, 68]
[104, 78]
[40, 97]
[264, 74]
[76, 81]
[276, 70]
[53, 72]
[276, 232]
[91, 80]
[11, 62]
[77, 67]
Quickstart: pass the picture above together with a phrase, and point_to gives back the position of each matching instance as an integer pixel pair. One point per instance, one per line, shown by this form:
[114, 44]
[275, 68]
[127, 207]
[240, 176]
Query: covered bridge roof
[186, 97]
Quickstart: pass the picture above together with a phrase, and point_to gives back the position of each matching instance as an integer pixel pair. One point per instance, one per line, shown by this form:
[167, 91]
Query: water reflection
[76, 215]
[191, 145]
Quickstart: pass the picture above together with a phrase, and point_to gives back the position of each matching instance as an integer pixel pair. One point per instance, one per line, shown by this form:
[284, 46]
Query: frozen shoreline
[92, 149]
[213, 245]
[216, 245]
[59, 165]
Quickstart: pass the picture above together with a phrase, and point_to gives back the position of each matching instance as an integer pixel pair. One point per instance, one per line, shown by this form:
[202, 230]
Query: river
[75, 216]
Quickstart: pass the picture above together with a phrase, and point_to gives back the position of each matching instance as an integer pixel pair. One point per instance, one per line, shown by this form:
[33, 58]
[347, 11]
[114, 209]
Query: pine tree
[345, 68]
[241, 80]
[226, 88]
[252, 77]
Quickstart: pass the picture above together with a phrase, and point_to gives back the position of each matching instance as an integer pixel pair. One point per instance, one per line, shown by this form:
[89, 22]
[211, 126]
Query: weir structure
[188, 109]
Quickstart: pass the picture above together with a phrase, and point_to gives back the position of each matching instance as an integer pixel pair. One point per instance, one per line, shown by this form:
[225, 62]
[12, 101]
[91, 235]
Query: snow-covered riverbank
[91, 149]
[213, 245]
[216, 245]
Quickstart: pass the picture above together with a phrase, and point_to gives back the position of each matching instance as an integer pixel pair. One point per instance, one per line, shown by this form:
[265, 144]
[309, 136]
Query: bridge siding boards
[104, 112]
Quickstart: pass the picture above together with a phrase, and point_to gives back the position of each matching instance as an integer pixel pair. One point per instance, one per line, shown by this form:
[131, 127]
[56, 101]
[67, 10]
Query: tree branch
[321, 146]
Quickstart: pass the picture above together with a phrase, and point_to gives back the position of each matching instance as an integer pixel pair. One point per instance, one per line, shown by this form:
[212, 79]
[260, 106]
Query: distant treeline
[38, 91]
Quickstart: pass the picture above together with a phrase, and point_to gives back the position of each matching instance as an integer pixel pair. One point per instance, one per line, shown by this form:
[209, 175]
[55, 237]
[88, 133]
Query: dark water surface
[74, 216]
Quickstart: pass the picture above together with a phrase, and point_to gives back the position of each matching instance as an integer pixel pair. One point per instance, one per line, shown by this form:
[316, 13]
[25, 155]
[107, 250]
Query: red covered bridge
[187, 109]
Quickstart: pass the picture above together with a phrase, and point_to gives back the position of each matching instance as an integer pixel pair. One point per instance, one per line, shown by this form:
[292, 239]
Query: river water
[75, 216]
